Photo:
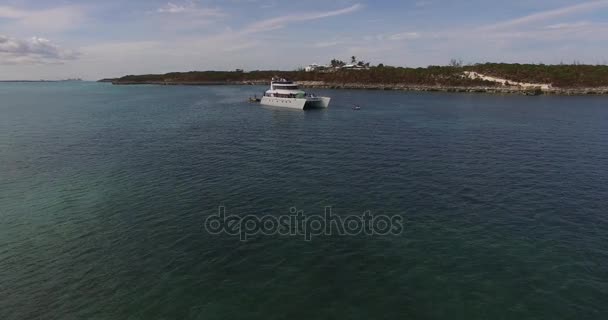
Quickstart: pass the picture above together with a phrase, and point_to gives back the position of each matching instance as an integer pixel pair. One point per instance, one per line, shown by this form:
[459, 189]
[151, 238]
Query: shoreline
[393, 87]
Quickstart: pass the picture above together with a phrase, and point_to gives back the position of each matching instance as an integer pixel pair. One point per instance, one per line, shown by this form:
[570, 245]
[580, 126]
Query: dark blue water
[104, 189]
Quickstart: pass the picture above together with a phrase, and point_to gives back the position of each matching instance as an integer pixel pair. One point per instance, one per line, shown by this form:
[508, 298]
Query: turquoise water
[104, 189]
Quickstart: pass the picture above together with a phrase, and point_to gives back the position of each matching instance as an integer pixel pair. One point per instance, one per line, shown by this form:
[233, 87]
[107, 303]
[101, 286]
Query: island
[503, 78]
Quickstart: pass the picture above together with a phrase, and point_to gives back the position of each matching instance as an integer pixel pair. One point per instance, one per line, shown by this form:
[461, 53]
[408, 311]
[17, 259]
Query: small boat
[356, 107]
[254, 99]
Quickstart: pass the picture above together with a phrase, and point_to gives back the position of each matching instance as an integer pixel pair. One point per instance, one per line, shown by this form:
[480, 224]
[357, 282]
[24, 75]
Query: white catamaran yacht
[284, 93]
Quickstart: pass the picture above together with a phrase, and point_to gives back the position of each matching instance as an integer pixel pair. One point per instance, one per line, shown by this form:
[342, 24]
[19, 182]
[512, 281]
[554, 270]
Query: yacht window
[286, 87]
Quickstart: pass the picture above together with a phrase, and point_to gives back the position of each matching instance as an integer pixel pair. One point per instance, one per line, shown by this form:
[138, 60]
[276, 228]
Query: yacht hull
[296, 103]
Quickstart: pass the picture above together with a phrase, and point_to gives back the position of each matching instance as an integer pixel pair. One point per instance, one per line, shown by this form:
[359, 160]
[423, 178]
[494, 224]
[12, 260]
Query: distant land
[65, 80]
[529, 79]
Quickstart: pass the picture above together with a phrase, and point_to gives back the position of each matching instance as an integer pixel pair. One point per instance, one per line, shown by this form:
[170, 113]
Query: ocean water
[104, 191]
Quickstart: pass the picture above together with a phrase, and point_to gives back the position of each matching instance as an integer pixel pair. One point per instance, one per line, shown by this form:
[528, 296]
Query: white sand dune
[504, 82]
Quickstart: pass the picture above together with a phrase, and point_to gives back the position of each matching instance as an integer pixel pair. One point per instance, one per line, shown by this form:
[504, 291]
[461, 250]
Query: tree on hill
[456, 63]
[335, 63]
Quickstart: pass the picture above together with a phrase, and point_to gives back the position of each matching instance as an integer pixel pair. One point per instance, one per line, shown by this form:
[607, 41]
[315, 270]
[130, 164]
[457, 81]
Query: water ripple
[103, 191]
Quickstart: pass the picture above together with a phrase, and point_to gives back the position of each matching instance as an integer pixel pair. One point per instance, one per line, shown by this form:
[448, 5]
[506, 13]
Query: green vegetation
[380, 75]
[563, 76]
[335, 63]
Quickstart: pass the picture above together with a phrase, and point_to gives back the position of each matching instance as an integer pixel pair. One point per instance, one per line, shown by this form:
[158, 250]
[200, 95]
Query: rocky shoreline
[461, 89]
[393, 86]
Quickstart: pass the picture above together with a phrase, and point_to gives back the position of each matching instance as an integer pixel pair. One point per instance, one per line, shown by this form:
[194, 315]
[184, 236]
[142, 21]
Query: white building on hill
[315, 67]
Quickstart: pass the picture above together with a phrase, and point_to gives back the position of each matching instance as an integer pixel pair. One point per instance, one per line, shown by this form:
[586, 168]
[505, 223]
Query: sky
[57, 39]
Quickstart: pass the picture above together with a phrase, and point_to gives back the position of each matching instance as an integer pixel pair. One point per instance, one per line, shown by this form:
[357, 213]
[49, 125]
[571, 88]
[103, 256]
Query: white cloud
[33, 51]
[172, 8]
[404, 36]
[186, 35]
[280, 22]
[327, 44]
[11, 13]
[190, 8]
[47, 20]
[563, 26]
[550, 14]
